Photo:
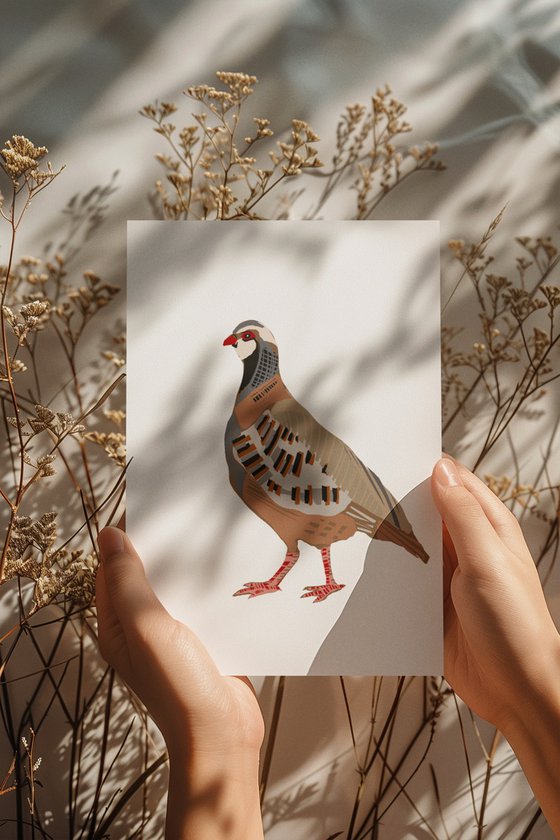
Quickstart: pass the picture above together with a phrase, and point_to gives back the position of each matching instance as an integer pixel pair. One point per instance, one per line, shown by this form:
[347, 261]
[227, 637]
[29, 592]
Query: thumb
[159, 657]
[471, 532]
[126, 585]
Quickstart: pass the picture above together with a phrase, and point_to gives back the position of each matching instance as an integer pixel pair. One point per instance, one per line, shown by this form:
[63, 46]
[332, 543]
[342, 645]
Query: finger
[471, 532]
[112, 641]
[106, 618]
[503, 520]
[127, 588]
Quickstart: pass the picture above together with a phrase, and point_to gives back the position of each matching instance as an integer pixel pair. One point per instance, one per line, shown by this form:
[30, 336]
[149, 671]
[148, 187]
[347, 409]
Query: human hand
[212, 725]
[501, 644]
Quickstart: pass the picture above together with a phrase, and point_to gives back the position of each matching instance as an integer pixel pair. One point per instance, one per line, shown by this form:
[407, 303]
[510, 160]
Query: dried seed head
[552, 294]
[20, 156]
[34, 309]
[44, 414]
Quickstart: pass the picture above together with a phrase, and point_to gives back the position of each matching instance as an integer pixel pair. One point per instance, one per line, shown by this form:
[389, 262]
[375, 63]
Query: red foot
[254, 589]
[320, 593]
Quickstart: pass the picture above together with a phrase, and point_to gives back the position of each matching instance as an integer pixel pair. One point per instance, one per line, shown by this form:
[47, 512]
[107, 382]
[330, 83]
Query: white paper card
[334, 328]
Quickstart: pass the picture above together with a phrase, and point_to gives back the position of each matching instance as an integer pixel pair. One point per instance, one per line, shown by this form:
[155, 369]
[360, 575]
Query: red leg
[272, 585]
[320, 593]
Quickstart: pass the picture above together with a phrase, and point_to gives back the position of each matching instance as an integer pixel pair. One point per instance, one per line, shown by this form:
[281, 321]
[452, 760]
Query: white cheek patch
[245, 348]
[267, 335]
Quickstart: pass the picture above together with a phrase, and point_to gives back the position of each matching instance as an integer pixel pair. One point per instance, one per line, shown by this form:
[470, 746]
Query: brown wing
[365, 489]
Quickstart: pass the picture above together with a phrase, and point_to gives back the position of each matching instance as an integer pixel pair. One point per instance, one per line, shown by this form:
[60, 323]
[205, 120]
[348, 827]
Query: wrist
[198, 762]
[531, 730]
[209, 791]
[535, 703]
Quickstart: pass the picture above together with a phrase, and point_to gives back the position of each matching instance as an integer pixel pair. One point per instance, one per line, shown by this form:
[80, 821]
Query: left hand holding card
[212, 725]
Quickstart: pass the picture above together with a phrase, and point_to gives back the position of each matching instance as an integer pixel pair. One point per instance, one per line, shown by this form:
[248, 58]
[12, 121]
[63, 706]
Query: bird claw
[321, 593]
[257, 588]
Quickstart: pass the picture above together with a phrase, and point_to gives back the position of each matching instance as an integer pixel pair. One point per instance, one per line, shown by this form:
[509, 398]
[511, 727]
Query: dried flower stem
[4, 786]
[370, 762]
[14, 505]
[489, 766]
[273, 731]
[439, 694]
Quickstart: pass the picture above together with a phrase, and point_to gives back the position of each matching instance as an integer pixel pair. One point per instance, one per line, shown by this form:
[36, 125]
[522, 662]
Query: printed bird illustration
[298, 477]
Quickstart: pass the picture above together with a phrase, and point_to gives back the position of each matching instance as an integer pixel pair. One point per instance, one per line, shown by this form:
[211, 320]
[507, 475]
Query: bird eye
[247, 336]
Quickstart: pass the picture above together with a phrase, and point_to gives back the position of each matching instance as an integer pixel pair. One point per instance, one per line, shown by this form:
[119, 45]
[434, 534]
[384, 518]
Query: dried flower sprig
[79, 306]
[20, 161]
[112, 442]
[45, 561]
[23, 164]
[56, 573]
[212, 172]
[370, 154]
[38, 303]
[33, 765]
[512, 359]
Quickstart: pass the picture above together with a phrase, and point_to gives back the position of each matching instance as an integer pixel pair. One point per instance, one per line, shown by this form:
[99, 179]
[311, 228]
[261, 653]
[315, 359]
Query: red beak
[231, 339]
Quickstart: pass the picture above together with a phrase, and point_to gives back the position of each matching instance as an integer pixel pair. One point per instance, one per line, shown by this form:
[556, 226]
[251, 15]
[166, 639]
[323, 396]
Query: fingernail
[446, 473]
[111, 541]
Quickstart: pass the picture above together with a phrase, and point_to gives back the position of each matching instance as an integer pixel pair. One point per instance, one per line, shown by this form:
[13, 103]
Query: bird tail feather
[387, 531]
